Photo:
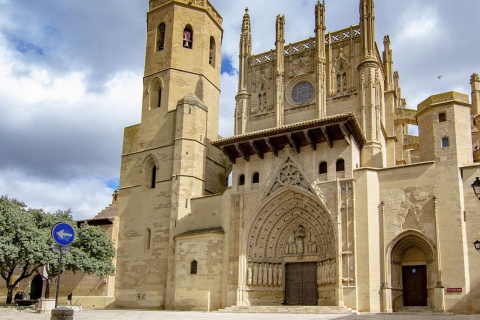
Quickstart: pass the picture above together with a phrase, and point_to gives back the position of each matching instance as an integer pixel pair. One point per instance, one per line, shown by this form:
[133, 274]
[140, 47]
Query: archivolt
[268, 232]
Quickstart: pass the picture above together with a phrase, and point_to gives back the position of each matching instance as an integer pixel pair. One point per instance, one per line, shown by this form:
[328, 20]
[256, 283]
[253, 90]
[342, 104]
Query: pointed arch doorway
[290, 246]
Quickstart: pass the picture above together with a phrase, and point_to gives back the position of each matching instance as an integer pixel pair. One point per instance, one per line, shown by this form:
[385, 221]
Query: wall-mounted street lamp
[477, 245]
[476, 187]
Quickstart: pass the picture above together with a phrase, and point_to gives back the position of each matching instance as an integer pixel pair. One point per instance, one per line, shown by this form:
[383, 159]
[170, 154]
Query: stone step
[287, 309]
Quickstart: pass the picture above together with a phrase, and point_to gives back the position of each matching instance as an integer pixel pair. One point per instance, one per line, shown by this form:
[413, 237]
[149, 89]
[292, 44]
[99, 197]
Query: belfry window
[241, 180]
[322, 168]
[193, 267]
[256, 177]
[161, 36]
[211, 53]
[340, 165]
[188, 37]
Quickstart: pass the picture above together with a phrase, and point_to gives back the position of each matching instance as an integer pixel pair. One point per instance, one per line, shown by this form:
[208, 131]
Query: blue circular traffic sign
[63, 233]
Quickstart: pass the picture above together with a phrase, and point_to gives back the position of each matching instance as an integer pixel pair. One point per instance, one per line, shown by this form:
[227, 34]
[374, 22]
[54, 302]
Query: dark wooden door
[414, 285]
[301, 284]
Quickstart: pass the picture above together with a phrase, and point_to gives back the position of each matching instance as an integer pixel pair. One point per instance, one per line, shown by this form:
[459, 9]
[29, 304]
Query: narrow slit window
[193, 267]
[159, 103]
[154, 177]
[188, 37]
[211, 54]
[148, 238]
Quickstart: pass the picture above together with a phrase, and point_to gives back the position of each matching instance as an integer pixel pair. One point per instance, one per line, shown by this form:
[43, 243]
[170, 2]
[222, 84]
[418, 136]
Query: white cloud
[420, 25]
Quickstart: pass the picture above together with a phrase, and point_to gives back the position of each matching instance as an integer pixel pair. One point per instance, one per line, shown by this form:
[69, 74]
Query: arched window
[256, 177]
[211, 54]
[155, 92]
[241, 180]
[193, 267]
[188, 37]
[153, 177]
[148, 237]
[445, 142]
[322, 168]
[160, 36]
[340, 165]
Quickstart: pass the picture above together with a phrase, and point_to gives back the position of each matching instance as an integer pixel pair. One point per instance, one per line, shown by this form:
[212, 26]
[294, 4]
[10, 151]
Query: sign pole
[58, 277]
[63, 234]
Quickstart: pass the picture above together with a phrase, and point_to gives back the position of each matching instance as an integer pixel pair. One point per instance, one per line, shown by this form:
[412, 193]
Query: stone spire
[245, 49]
[475, 83]
[280, 68]
[367, 25]
[388, 63]
[321, 61]
[242, 97]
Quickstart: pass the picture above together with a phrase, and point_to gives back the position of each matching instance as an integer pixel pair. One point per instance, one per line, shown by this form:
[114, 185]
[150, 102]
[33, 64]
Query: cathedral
[332, 202]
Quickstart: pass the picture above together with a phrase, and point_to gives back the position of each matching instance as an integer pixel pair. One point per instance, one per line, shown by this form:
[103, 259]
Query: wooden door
[301, 284]
[414, 285]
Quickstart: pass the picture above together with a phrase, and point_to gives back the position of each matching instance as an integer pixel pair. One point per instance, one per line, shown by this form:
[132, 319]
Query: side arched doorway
[290, 252]
[36, 287]
[412, 270]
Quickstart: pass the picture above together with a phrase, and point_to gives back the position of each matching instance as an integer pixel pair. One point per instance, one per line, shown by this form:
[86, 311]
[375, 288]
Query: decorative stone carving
[264, 274]
[301, 242]
[300, 66]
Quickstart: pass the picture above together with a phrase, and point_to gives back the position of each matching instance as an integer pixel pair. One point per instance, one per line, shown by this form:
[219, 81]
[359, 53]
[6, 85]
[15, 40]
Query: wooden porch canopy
[311, 133]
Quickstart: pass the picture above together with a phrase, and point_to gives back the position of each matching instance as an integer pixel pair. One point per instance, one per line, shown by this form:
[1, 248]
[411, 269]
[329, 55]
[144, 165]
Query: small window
[159, 102]
[154, 177]
[323, 167]
[241, 180]
[256, 177]
[211, 54]
[161, 36]
[193, 267]
[155, 93]
[445, 142]
[148, 237]
[188, 37]
[340, 166]
[442, 117]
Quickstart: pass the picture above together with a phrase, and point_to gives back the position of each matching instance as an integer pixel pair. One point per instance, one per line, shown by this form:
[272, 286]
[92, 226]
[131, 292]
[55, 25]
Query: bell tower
[182, 56]
[166, 158]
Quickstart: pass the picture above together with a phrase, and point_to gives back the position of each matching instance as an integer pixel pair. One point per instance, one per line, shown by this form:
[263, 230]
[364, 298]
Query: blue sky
[71, 79]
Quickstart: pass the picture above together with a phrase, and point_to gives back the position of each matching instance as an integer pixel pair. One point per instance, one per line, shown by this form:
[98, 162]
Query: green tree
[91, 252]
[18, 243]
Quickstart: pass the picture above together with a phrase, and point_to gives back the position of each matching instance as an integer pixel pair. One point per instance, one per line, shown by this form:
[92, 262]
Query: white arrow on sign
[62, 234]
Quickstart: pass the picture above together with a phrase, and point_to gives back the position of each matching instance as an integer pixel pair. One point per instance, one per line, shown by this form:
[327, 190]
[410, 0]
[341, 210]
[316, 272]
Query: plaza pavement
[28, 314]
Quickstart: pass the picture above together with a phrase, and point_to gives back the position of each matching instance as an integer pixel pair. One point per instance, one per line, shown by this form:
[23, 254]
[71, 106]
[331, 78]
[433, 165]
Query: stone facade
[327, 184]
